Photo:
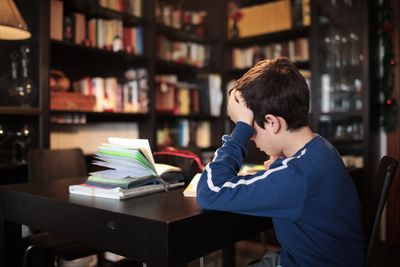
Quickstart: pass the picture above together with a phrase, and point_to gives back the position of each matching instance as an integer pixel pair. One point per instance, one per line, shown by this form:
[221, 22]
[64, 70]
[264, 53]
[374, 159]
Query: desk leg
[10, 241]
[228, 256]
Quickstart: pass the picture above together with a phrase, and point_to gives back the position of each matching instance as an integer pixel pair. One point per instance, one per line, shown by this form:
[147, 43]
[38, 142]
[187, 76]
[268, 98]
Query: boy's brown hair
[276, 87]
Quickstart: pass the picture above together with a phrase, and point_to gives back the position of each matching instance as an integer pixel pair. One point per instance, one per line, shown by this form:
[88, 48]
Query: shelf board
[20, 111]
[65, 48]
[271, 37]
[343, 114]
[346, 141]
[241, 72]
[167, 116]
[164, 66]
[96, 11]
[100, 116]
[181, 35]
[247, 3]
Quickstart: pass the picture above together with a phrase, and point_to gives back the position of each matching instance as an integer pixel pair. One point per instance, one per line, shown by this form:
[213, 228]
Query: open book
[129, 171]
[130, 163]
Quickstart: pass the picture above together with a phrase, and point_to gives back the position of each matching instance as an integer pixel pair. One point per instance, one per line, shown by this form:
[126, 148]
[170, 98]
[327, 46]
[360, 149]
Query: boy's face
[267, 139]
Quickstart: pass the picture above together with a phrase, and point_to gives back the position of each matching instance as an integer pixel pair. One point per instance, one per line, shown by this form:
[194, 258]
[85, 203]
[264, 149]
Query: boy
[306, 188]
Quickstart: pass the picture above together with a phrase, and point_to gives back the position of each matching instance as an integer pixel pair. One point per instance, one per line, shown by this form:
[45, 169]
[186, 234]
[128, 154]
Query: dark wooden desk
[162, 229]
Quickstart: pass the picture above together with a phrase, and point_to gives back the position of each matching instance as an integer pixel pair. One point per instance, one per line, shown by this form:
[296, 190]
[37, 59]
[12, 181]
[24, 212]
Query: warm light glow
[12, 24]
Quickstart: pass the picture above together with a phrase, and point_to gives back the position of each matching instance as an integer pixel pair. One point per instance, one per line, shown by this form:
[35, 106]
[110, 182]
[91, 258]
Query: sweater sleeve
[277, 192]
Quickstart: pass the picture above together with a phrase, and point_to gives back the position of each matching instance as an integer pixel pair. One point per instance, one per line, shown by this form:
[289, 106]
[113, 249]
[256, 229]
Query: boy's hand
[271, 160]
[237, 109]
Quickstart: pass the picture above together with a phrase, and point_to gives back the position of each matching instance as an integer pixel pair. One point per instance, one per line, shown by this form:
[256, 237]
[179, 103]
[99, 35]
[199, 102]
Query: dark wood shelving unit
[79, 60]
[101, 116]
[93, 9]
[340, 114]
[59, 47]
[166, 116]
[4, 110]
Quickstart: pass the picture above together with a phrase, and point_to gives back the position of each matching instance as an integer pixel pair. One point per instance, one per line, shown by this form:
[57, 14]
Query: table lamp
[12, 24]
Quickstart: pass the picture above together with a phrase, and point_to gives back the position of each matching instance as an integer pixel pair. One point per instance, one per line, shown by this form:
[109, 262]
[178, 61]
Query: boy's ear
[273, 122]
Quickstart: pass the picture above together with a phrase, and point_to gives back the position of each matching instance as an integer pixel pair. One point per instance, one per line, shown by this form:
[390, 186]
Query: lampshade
[12, 24]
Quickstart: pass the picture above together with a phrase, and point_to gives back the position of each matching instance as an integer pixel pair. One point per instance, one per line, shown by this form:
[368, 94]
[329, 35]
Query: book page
[191, 189]
[134, 154]
[142, 144]
[163, 168]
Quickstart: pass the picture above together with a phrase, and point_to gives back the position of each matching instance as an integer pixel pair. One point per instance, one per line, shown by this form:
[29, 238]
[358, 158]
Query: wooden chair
[376, 200]
[45, 165]
[50, 164]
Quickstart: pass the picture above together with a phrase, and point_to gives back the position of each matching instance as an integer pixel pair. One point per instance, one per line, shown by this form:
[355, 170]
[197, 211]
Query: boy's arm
[275, 192]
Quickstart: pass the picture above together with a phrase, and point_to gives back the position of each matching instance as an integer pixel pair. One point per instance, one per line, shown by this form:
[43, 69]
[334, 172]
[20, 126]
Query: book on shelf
[56, 19]
[130, 171]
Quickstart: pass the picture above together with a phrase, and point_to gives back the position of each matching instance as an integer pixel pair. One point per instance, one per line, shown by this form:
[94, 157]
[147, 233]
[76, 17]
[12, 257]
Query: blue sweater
[310, 197]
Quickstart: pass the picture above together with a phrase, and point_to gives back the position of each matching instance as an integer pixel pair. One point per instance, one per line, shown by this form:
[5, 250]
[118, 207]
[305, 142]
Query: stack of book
[130, 171]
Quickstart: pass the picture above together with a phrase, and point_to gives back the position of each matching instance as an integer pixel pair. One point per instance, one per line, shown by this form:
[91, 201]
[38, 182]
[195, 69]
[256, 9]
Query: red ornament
[389, 101]
[387, 26]
[392, 61]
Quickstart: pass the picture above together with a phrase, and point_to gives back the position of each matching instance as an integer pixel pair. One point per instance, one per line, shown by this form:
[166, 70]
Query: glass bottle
[12, 82]
[23, 91]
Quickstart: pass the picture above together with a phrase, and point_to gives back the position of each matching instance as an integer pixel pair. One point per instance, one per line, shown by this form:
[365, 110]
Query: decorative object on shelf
[22, 89]
[58, 81]
[389, 105]
[22, 138]
[12, 24]
[234, 15]
[3, 133]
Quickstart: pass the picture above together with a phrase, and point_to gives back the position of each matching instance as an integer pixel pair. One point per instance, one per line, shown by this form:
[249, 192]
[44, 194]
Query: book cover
[117, 192]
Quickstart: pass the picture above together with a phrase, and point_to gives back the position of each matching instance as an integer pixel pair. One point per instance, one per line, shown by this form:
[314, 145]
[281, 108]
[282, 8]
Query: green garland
[389, 106]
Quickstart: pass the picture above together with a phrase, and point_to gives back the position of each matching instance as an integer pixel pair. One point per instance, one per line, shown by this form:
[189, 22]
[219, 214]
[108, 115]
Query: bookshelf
[79, 60]
[22, 122]
[340, 79]
[186, 66]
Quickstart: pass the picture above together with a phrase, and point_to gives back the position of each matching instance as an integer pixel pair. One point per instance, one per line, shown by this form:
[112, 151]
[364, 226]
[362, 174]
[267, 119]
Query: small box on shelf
[72, 101]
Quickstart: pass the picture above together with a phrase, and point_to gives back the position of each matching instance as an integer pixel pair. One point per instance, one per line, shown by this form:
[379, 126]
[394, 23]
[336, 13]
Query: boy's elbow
[204, 200]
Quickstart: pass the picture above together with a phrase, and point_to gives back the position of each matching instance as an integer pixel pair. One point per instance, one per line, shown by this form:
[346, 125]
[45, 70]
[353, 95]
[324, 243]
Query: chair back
[50, 164]
[377, 196]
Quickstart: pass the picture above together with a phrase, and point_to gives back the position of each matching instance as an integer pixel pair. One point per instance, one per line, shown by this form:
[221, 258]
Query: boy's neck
[296, 140]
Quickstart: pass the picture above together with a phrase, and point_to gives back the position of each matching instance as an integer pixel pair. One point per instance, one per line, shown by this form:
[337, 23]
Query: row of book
[190, 53]
[301, 13]
[131, 7]
[176, 17]
[200, 96]
[95, 32]
[296, 50]
[182, 133]
[112, 96]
